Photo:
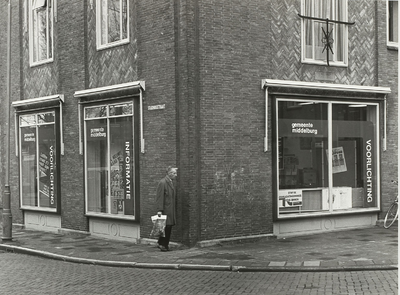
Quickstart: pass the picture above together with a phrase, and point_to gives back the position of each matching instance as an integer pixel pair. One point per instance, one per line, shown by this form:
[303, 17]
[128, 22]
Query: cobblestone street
[23, 274]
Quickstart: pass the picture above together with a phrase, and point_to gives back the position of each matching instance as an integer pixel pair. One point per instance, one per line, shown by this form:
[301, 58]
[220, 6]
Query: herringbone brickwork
[111, 66]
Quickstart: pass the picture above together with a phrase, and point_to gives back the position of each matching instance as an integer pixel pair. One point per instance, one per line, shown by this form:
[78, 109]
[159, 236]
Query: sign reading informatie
[156, 107]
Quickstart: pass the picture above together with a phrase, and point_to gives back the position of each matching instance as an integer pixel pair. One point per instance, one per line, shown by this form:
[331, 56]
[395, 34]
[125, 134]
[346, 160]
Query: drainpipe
[7, 218]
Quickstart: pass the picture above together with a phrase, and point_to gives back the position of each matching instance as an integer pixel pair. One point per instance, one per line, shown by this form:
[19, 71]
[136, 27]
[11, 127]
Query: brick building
[279, 121]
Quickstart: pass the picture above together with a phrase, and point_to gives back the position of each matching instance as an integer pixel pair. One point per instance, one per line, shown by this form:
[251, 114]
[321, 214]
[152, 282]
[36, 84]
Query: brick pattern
[156, 66]
[111, 66]
[41, 80]
[286, 45]
[236, 173]
[15, 94]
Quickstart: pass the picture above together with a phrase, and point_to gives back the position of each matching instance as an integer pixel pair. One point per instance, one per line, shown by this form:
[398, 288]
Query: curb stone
[172, 266]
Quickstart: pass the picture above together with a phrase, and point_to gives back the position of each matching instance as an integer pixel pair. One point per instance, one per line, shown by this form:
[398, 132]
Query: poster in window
[338, 160]
[290, 198]
[47, 167]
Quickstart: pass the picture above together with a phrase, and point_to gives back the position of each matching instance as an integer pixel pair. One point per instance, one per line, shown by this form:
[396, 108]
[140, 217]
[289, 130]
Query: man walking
[166, 205]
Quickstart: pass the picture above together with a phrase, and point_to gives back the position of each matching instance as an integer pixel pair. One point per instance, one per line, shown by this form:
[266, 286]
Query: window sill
[38, 209]
[111, 45]
[111, 216]
[42, 62]
[323, 63]
[325, 214]
[392, 46]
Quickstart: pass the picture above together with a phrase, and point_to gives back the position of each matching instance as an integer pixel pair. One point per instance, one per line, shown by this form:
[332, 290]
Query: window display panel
[28, 166]
[110, 159]
[38, 160]
[303, 173]
[96, 165]
[121, 164]
[47, 166]
[327, 157]
[354, 156]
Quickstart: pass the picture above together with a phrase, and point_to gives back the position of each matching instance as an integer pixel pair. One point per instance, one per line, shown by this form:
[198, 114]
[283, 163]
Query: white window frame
[99, 9]
[391, 43]
[107, 117]
[331, 211]
[333, 62]
[33, 6]
[36, 126]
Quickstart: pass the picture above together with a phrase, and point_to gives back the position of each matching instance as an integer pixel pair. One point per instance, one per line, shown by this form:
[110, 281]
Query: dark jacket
[166, 199]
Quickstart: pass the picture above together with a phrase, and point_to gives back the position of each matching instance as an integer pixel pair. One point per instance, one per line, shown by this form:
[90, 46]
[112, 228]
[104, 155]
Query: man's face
[173, 173]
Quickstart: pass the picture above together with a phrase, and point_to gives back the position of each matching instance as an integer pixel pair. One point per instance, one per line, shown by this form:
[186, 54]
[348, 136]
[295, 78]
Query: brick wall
[388, 76]
[236, 174]
[15, 93]
[156, 66]
[72, 76]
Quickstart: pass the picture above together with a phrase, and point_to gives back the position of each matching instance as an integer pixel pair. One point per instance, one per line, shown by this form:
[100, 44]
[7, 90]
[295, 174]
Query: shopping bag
[159, 222]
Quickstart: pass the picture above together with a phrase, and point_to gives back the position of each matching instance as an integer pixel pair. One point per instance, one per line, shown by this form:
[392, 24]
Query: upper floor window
[315, 32]
[112, 22]
[40, 31]
[393, 23]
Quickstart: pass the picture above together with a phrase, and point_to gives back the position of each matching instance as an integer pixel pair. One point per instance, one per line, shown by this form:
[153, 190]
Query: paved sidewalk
[372, 248]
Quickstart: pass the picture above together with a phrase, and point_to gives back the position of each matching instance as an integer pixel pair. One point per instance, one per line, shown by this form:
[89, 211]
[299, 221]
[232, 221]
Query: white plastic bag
[159, 222]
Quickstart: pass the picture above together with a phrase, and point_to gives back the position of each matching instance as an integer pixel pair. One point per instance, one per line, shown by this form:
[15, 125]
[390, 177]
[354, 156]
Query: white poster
[290, 198]
[338, 160]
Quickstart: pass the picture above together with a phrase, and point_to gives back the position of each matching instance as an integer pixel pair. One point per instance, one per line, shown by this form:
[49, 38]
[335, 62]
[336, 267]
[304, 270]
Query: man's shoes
[162, 248]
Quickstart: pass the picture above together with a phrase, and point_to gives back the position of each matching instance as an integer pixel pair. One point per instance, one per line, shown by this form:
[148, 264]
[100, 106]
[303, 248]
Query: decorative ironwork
[327, 39]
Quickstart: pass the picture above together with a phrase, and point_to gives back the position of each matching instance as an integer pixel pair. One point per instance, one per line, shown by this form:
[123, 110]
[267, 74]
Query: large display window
[327, 157]
[38, 161]
[109, 160]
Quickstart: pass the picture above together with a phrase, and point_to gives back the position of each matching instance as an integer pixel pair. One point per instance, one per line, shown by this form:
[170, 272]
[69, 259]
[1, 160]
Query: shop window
[313, 31]
[327, 157]
[41, 31]
[392, 23]
[110, 161]
[112, 23]
[39, 158]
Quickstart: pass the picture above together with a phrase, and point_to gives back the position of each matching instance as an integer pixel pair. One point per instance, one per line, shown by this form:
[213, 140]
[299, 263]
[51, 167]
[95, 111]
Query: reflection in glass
[122, 109]
[96, 165]
[354, 156]
[27, 120]
[96, 112]
[302, 139]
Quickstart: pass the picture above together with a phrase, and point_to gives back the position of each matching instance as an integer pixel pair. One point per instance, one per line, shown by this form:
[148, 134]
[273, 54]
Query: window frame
[390, 43]
[331, 211]
[99, 31]
[333, 62]
[57, 158]
[34, 42]
[133, 158]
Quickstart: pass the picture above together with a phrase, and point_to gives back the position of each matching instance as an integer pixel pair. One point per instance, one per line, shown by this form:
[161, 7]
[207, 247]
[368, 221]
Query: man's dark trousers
[164, 241]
